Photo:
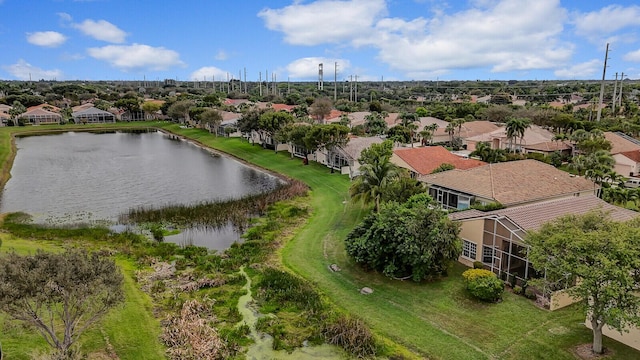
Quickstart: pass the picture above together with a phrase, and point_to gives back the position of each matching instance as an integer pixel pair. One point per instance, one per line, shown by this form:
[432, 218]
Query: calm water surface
[83, 177]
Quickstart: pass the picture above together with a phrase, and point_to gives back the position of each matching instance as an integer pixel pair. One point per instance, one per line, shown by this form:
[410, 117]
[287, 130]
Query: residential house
[627, 163]
[345, 158]
[424, 160]
[621, 142]
[229, 124]
[467, 130]
[38, 116]
[623, 148]
[93, 115]
[496, 238]
[508, 183]
[548, 148]
[498, 138]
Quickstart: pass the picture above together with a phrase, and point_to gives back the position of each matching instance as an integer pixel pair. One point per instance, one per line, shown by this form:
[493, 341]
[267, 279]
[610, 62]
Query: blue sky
[373, 39]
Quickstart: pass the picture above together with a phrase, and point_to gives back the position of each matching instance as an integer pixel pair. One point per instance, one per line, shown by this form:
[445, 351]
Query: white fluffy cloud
[22, 70]
[209, 73]
[324, 21]
[597, 24]
[307, 68]
[585, 70]
[100, 30]
[221, 55]
[136, 57]
[632, 56]
[506, 35]
[46, 38]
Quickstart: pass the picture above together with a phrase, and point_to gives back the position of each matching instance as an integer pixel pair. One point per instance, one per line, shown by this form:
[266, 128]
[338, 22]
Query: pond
[83, 177]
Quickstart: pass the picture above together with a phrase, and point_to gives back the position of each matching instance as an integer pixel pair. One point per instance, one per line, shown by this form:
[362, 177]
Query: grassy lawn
[435, 320]
[432, 320]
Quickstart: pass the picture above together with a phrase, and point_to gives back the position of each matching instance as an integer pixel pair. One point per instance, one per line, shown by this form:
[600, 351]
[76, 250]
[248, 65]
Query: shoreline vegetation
[289, 252]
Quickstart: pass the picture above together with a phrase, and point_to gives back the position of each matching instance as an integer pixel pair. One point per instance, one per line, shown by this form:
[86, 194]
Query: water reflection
[79, 177]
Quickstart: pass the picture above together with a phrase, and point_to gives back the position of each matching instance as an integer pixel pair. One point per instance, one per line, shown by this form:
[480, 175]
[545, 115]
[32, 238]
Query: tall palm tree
[428, 131]
[374, 178]
[450, 129]
[516, 127]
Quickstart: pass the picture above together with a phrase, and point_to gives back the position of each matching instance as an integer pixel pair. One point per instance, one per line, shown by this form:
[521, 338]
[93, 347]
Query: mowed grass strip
[436, 320]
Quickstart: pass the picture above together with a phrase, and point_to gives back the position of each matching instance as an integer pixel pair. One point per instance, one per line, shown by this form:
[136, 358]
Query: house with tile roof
[345, 158]
[498, 138]
[508, 183]
[40, 116]
[621, 142]
[424, 160]
[496, 238]
[548, 148]
[627, 163]
[93, 115]
[468, 130]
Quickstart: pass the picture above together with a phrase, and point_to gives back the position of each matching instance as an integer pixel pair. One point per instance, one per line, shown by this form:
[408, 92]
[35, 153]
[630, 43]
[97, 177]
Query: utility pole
[604, 71]
[356, 89]
[350, 87]
[335, 81]
[613, 98]
[620, 95]
[245, 80]
[260, 82]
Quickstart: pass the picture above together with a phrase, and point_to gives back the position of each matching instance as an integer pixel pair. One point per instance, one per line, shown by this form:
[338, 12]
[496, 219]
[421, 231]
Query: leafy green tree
[422, 112]
[399, 134]
[128, 104]
[151, 108]
[605, 258]
[320, 109]
[411, 240]
[375, 124]
[402, 189]
[16, 110]
[211, 117]
[271, 122]
[179, 110]
[250, 120]
[61, 295]
[443, 167]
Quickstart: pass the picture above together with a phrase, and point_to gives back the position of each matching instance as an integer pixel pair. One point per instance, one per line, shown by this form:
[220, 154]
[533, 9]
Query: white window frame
[469, 248]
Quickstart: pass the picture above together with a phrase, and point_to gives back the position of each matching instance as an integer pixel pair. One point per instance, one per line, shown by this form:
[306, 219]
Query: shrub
[530, 293]
[353, 335]
[517, 290]
[483, 284]
[473, 274]
[478, 265]
[486, 288]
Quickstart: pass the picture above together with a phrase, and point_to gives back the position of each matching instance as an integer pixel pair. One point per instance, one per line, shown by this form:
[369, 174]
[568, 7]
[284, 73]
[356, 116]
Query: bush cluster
[483, 284]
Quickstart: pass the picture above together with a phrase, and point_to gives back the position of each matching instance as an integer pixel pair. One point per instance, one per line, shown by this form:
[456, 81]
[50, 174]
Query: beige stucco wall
[472, 230]
[630, 338]
[395, 159]
[624, 165]
[560, 299]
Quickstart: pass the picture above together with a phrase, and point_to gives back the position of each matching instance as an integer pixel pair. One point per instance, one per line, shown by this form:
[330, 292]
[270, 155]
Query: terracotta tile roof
[533, 216]
[36, 111]
[424, 160]
[512, 183]
[549, 146]
[471, 128]
[532, 135]
[354, 147]
[633, 155]
[392, 119]
[285, 107]
[46, 107]
[620, 144]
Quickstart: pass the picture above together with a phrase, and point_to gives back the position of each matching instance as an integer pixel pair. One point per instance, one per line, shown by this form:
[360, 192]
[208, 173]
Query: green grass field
[433, 320]
[430, 320]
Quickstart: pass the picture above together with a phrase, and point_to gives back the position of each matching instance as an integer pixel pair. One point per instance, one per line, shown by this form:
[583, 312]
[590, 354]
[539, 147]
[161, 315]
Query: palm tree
[428, 131]
[516, 127]
[412, 127]
[450, 129]
[373, 180]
